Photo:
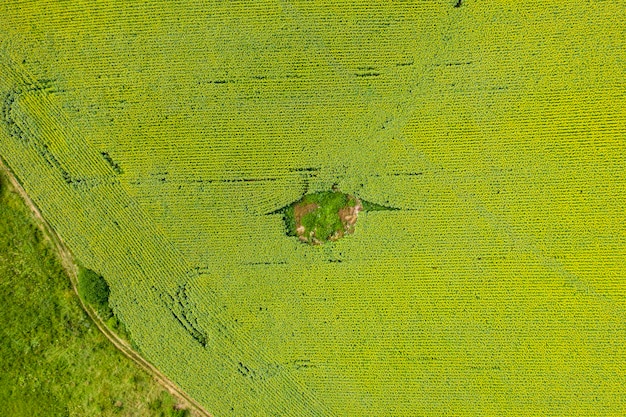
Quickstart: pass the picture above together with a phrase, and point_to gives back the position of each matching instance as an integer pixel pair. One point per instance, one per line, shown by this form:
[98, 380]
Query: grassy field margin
[71, 268]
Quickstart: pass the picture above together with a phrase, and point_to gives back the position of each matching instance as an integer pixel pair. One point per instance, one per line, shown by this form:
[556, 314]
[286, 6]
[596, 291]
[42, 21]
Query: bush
[166, 407]
[180, 413]
[93, 289]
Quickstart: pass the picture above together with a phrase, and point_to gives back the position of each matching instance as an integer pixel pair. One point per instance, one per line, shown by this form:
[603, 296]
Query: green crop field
[159, 140]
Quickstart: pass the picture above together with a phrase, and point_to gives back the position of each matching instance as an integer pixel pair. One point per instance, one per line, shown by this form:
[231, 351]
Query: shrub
[93, 289]
[325, 219]
[180, 413]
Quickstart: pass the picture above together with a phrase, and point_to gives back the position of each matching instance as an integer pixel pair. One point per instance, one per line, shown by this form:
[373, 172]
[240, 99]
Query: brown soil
[299, 211]
[348, 216]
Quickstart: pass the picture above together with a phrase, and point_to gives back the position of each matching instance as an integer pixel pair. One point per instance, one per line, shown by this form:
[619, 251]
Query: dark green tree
[93, 289]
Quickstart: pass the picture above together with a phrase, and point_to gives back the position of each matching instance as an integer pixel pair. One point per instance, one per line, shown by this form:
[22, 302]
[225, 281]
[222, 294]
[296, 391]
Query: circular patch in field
[322, 217]
[325, 216]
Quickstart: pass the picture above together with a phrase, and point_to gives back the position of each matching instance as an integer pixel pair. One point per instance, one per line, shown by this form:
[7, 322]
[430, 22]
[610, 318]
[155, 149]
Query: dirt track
[70, 267]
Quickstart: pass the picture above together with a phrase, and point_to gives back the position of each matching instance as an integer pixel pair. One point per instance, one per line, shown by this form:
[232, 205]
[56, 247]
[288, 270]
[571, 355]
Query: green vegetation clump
[322, 216]
[93, 288]
[53, 359]
[290, 219]
[324, 220]
[166, 407]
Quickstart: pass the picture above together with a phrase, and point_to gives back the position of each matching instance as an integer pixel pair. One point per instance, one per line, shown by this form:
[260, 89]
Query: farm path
[71, 268]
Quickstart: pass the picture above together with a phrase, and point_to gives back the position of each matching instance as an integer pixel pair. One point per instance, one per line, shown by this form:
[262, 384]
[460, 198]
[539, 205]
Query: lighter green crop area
[161, 140]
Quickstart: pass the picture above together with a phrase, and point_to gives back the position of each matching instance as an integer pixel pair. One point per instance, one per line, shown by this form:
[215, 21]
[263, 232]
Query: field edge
[70, 266]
